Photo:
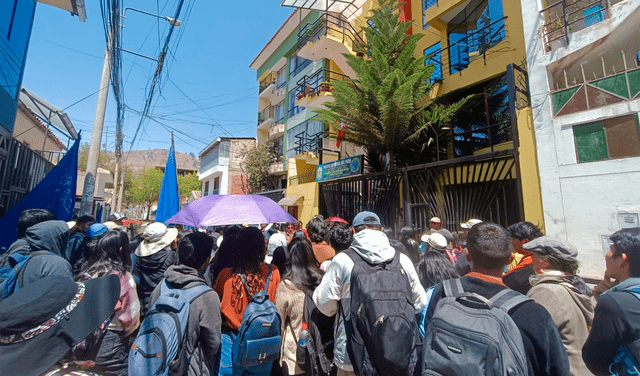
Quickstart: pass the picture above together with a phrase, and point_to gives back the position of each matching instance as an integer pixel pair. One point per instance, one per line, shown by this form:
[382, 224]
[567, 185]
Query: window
[206, 187]
[280, 113]
[293, 108]
[477, 28]
[426, 4]
[610, 139]
[281, 78]
[433, 55]
[216, 183]
[300, 138]
[297, 64]
[278, 145]
[485, 120]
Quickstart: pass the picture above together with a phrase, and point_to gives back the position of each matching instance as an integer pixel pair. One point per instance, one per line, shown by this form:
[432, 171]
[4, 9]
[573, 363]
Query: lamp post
[86, 205]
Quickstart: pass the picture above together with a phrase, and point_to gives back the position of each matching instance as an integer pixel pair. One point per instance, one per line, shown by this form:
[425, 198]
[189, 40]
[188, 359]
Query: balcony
[565, 17]
[308, 177]
[276, 167]
[267, 86]
[265, 118]
[276, 130]
[329, 37]
[313, 91]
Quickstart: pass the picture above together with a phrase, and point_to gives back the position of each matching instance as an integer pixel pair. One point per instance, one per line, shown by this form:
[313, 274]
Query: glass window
[281, 78]
[433, 55]
[293, 109]
[280, 113]
[301, 137]
[611, 139]
[278, 145]
[6, 14]
[426, 4]
[477, 28]
[297, 64]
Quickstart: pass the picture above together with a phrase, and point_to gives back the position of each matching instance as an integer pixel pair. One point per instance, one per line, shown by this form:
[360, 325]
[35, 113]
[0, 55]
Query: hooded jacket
[616, 322]
[334, 289]
[148, 271]
[51, 236]
[202, 336]
[571, 311]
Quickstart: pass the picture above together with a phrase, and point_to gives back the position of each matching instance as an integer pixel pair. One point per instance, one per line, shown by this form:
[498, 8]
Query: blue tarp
[56, 192]
[169, 200]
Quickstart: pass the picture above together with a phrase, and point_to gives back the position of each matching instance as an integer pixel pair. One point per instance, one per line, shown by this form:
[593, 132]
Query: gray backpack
[471, 335]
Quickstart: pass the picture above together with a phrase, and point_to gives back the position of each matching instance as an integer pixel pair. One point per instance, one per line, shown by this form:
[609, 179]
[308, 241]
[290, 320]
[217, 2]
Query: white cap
[437, 241]
[435, 219]
[470, 223]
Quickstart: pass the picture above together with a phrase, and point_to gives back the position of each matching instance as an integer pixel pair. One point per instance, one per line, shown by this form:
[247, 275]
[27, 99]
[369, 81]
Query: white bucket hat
[156, 237]
[437, 241]
[470, 223]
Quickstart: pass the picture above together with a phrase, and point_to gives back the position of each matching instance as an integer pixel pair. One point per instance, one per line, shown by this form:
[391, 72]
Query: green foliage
[143, 187]
[104, 159]
[256, 168]
[386, 107]
[188, 183]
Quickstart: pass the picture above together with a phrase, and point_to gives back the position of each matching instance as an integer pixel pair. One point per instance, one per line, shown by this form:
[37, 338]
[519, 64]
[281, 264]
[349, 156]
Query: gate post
[406, 198]
[511, 86]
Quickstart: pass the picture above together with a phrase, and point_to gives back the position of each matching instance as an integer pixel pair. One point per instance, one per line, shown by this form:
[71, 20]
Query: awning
[290, 201]
[349, 9]
[48, 112]
[76, 7]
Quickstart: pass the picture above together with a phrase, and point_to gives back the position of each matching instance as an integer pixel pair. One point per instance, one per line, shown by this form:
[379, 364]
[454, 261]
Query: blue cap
[96, 229]
[366, 218]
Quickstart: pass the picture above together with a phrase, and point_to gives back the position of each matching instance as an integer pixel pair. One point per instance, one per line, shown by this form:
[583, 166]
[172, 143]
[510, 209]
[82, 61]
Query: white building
[584, 78]
[220, 165]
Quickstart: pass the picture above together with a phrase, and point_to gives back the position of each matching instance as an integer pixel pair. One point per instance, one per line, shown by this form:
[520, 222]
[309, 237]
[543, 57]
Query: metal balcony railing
[308, 177]
[267, 113]
[317, 82]
[306, 142]
[460, 54]
[564, 17]
[311, 32]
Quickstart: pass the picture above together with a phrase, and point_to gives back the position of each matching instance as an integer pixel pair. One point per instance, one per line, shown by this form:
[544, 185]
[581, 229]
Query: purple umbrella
[216, 210]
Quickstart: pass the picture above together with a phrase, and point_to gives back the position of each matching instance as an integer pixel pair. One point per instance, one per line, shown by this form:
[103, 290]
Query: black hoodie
[148, 271]
[49, 236]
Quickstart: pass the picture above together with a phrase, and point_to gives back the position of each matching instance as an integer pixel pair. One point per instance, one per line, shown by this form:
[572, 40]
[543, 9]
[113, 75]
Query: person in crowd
[27, 219]
[280, 259]
[564, 294]
[462, 264]
[111, 256]
[79, 258]
[52, 325]
[453, 245]
[277, 239]
[223, 257]
[290, 228]
[249, 262]
[389, 232]
[45, 242]
[616, 322]
[318, 232]
[340, 237]
[202, 335]
[488, 251]
[517, 278]
[153, 257]
[301, 275]
[435, 266]
[334, 290]
[411, 246]
[434, 225]
[298, 235]
[78, 234]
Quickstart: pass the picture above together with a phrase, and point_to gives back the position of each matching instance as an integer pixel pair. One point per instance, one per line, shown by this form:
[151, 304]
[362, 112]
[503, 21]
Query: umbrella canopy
[336, 219]
[214, 210]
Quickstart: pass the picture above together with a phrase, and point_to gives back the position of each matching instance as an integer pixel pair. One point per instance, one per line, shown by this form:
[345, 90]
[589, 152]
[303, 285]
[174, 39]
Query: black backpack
[381, 330]
[318, 357]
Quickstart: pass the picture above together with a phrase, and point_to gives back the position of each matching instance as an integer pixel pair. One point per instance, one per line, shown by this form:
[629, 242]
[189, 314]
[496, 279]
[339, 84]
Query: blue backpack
[625, 362]
[11, 267]
[158, 346]
[258, 339]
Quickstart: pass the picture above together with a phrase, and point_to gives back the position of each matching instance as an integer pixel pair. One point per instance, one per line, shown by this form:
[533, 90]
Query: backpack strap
[452, 287]
[508, 299]
[266, 284]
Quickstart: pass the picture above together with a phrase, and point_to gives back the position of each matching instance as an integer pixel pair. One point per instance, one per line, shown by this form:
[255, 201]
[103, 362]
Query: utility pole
[86, 205]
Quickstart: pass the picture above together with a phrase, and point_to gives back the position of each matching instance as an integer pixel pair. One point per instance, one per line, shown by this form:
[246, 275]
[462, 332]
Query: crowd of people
[329, 298]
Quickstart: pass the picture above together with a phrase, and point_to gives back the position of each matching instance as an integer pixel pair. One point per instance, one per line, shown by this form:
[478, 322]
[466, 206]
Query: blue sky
[209, 66]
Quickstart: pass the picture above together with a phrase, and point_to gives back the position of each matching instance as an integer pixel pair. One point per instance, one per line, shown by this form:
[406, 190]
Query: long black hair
[224, 254]
[249, 253]
[110, 253]
[302, 267]
[434, 268]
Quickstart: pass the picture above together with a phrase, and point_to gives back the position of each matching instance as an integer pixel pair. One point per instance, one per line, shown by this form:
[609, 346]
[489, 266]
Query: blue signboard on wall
[339, 169]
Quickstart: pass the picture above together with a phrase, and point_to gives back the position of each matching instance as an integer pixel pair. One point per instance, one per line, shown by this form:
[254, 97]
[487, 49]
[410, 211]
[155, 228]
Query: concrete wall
[581, 201]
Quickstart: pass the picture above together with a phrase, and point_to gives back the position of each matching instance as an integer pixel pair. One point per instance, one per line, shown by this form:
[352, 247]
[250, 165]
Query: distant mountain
[138, 159]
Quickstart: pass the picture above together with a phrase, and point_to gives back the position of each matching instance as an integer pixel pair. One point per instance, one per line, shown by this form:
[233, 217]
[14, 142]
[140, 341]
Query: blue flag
[169, 200]
[56, 192]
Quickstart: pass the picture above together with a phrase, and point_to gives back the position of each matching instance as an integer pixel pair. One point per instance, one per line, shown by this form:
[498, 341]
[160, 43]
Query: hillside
[138, 159]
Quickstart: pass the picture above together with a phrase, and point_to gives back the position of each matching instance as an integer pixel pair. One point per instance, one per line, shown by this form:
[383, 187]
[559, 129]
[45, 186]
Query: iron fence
[317, 82]
[311, 32]
[564, 17]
